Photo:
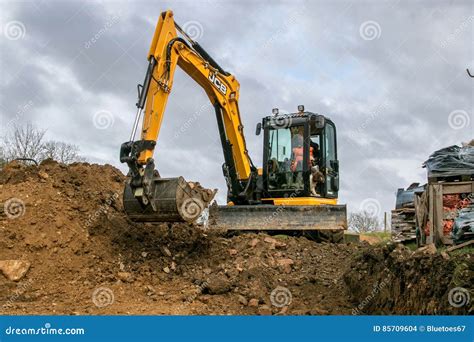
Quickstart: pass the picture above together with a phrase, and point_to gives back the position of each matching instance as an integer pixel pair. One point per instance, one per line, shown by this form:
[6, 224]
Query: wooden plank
[464, 244]
[438, 213]
[430, 238]
[457, 188]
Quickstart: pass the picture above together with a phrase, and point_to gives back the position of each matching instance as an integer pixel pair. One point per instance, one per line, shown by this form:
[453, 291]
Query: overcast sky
[390, 74]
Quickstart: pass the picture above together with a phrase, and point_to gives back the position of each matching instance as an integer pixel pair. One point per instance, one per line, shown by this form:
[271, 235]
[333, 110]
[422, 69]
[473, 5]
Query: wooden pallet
[447, 179]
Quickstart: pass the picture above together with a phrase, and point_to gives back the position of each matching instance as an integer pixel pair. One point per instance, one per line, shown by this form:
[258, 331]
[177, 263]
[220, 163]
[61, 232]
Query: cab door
[330, 161]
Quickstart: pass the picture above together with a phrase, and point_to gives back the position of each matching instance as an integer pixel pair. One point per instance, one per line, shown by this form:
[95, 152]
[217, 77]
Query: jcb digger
[295, 190]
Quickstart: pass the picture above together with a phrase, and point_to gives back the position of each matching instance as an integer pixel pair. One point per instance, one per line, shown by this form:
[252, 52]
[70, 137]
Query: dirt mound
[64, 230]
[395, 280]
[68, 222]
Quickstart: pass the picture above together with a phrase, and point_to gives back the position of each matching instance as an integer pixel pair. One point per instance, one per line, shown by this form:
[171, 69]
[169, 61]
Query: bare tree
[363, 222]
[28, 142]
[61, 152]
[24, 142]
[2, 157]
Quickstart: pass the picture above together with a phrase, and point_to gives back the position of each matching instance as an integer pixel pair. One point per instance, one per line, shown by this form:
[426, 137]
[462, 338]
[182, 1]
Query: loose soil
[87, 258]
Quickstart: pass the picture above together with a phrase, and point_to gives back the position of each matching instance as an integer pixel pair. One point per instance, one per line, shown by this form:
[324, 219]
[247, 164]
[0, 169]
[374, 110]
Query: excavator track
[280, 218]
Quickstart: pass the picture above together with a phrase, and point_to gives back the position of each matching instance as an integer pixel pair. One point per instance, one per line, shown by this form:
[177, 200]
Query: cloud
[390, 96]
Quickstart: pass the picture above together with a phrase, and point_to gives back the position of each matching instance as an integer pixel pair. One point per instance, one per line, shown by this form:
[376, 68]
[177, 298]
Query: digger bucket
[175, 200]
[280, 217]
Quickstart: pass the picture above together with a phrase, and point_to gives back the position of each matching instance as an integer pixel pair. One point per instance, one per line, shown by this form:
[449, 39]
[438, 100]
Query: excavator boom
[147, 196]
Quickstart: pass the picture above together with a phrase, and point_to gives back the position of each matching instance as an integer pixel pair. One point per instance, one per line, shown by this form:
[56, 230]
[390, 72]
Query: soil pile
[66, 247]
[87, 257]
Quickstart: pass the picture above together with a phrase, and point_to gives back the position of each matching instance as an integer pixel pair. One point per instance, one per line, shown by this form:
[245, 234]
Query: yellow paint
[302, 201]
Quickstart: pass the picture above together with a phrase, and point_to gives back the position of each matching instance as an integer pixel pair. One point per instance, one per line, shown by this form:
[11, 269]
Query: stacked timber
[403, 224]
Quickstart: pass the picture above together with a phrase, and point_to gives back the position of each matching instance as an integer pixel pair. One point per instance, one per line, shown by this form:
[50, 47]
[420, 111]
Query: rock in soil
[14, 270]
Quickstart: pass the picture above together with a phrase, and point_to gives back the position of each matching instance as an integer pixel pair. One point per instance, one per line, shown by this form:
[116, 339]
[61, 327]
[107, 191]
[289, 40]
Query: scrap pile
[452, 163]
[458, 211]
[463, 224]
[403, 217]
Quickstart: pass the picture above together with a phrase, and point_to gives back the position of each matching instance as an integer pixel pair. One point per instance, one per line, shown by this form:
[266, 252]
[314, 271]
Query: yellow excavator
[296, 190]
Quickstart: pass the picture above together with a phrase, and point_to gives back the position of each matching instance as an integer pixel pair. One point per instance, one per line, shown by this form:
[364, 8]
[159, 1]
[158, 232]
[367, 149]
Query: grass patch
[383, 236]
[465, 250]
[411, 246]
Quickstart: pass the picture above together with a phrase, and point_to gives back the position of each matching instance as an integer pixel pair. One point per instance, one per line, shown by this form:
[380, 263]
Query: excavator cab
[299, 156]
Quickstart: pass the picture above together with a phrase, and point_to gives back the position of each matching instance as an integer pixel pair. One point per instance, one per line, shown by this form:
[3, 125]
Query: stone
[166, 269]
[445, 255]
[242, 300]
[431, 249]
[166, 251]
[269, 239]
[14, 270]
[318, 312]
[264, 310]
[285, 264]
[427, 249]
[218, 285]
[126, 277]
[233, 251]
[43, 175]
[149, 290]
[253, 302]
[274, 242]
[254, 242]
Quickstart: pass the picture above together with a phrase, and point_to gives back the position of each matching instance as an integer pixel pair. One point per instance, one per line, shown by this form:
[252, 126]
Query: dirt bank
[392, 279]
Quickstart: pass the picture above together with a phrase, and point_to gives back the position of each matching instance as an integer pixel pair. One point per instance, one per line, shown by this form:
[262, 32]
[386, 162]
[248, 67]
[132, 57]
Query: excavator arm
[146, 189]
